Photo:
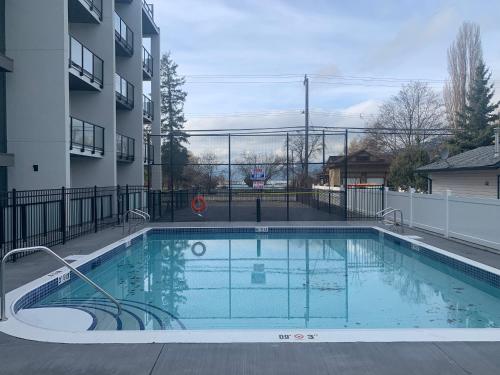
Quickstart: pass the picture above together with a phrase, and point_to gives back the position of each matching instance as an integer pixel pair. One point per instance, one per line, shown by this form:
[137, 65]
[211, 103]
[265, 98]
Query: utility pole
[306, 136]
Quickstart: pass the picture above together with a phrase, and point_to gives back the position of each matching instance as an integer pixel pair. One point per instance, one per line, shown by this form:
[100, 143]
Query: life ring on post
[198, 204]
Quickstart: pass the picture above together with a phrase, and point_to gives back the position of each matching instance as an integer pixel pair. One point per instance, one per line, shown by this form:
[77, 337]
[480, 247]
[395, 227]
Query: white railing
[476, 220]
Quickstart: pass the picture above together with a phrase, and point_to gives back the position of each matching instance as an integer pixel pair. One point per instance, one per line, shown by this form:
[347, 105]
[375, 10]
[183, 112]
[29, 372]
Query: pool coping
[16, 327]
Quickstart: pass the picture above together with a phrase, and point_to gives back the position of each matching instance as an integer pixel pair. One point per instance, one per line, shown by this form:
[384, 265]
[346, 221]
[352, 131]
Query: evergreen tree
[402, 173]
[173, 149]
[475, 124]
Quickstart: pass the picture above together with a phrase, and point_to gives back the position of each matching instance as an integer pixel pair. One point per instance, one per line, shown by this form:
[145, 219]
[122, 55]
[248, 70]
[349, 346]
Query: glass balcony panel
[88, 61]
[77, 132]
[88, 135]
[117, 20]
[76, 52]
[99, 138]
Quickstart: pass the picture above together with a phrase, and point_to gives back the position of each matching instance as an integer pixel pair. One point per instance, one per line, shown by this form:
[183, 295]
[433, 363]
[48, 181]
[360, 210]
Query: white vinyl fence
[476, 220]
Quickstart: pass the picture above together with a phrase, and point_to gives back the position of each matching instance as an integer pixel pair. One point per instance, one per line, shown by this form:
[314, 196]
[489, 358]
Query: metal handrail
[389, 210]
[3, 317]
[148, 216]
[383, 211]
[145, 216]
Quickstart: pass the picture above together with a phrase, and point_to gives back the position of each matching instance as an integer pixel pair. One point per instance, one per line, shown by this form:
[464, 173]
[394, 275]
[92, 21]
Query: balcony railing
[148, 22]
[148, 109]
[124, 35]
[86, 62]
[147, 62]
[86, 136]
[125, 148]
[124, 92]
[149, 8]
[149, 154]
[95, 6]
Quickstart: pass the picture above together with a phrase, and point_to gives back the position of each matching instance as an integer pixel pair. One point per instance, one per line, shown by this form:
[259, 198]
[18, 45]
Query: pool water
[262, 281]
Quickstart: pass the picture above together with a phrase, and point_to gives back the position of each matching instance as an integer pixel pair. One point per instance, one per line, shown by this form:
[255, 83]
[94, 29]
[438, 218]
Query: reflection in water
[270, 281]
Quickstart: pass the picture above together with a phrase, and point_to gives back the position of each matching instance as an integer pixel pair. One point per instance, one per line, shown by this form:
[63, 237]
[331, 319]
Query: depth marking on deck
[297, 336]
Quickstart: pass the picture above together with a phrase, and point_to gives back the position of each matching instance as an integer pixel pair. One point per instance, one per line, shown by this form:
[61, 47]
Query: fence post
[346, 171]
[229, 175]
[386, 198]
[171, 179]
[127, 204]
[94, 211]
[63, 214]
[411, 191]
[287, 180]
[14, 221]
[118, 208]
[447, 213]
[257, 202]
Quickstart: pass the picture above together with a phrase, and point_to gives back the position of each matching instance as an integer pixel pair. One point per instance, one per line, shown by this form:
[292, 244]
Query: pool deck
[29, 357]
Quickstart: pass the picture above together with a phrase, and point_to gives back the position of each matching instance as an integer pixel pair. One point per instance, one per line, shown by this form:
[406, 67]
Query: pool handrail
[389, 210]
[3, 317]
[144, 215]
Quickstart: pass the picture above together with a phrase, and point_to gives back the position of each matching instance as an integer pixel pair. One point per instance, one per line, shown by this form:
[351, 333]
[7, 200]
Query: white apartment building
[75, 106]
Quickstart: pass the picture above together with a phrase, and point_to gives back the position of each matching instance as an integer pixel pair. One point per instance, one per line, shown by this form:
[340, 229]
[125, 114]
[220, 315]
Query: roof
[479, 158]
[337, 160]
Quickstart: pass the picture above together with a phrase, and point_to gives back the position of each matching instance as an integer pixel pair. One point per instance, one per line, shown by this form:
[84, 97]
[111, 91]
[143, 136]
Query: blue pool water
[260, 281]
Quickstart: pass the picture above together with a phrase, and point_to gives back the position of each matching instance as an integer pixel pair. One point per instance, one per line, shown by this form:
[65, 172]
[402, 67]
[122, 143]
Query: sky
[222, 45]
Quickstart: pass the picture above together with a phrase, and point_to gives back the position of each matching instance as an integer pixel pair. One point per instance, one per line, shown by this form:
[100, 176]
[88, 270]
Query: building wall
[38, 96]
[356, 175]
[130, 123]
[39, 102]
[3, 117]
[466, 183]
[97, 107]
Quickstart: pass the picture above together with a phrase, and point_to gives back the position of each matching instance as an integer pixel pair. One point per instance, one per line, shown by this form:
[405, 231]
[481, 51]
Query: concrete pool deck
[27, 357]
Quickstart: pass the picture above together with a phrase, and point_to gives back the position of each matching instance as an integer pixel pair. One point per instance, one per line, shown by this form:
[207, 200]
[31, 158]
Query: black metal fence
[54, 216]
[297, 185]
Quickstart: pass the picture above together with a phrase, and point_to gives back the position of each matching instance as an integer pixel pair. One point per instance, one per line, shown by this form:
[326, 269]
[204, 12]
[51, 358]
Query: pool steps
[135, 315]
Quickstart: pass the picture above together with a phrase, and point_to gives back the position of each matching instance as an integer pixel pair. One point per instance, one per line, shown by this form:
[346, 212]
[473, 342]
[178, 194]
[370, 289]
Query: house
[72, 103]
[472, 173]
[363, 168]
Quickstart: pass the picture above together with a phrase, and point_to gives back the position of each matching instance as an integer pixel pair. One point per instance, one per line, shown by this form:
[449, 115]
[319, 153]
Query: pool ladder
[383, 216]
[3, 317]
[139, 214]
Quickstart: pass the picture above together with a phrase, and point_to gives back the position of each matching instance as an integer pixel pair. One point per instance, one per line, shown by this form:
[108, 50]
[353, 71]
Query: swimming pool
[295, 284]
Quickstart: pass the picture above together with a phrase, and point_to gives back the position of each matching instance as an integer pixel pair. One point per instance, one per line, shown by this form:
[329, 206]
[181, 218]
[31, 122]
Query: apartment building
[75, 106]
[6, 66]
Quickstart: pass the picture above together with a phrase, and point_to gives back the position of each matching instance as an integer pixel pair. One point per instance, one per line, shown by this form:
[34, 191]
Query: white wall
[466, 183]
[476, 220]
[38, 93]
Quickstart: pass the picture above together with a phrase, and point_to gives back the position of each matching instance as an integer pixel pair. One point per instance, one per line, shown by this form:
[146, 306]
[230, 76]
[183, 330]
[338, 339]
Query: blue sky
[398, 39]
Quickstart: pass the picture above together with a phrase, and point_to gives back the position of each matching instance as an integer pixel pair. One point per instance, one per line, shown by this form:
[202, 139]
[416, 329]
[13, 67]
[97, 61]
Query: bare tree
[202, 171]
[410, 118]
[297, 155]
[272, 164]
[464, 56]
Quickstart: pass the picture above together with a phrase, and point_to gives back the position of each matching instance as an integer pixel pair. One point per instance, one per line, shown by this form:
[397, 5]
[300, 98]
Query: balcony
[125, 148]
[124, 93]
[147, 65]
[85, 68]
[147, 110]
[86, 139]
[85, 11]
[124, 37]
[148, 22]
[149, 154]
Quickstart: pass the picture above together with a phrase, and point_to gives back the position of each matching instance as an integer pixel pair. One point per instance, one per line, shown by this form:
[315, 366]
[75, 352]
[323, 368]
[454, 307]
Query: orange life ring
[198, 204]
